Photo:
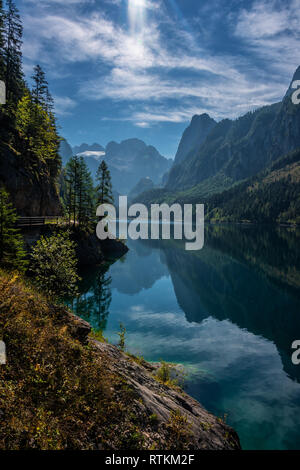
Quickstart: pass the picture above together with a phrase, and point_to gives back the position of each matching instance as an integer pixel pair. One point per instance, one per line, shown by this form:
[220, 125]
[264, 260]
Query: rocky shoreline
[200, 429]
[64, 387]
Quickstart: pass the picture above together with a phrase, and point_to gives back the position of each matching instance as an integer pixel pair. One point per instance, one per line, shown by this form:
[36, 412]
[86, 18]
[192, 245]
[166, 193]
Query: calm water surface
[229, 313]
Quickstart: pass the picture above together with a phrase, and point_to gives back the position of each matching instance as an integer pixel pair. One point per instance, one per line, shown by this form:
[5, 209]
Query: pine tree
[2, 74]
[86, 195]
[40, 89]
[104, 188]
[12, 253]
[39, 132]
[49, 103]
[79, 193]
[13, 31]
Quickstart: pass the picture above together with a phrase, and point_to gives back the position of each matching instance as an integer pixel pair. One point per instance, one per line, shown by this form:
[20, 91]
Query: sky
[142, 68]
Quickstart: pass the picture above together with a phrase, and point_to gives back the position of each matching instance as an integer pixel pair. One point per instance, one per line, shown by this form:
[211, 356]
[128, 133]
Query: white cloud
[64, 105]
[273, 32]
[141, 66]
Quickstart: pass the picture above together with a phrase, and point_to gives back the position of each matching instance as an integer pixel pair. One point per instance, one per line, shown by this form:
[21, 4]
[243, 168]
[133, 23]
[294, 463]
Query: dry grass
[56, 393]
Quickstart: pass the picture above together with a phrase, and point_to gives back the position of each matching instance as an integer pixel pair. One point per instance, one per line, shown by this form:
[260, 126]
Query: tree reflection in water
[93, 302]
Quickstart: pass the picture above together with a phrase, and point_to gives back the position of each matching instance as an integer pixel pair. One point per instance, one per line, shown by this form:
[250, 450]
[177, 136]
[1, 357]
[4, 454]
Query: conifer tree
[40, 90]
[12, 253]
[13, 31]
[2, 75]
[104, 188]
[79, 193]
[72, 169]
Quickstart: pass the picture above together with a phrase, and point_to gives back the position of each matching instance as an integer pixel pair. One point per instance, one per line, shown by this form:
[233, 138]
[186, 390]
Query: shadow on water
[230, 312]
[250, 276]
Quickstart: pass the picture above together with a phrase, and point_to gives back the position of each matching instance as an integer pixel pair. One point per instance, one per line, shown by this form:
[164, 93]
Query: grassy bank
[55, 392]
[63, 389]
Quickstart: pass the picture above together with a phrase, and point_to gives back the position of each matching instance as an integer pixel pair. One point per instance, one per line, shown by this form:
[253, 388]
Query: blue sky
[143, 68]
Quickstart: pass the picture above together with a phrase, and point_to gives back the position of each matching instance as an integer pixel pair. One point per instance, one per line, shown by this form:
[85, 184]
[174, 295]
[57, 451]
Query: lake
[229, 313]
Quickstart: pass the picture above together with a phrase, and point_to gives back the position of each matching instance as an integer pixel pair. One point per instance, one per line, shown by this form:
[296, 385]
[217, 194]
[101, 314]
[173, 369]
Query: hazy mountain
[128, 161]
[132, 160]
[237, 149]
[65, 151]
[145, 184]
[194, 135]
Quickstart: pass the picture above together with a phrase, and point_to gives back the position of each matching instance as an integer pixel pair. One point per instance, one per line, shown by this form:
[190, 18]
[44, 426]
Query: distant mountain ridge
[128, 161]
[233, 150]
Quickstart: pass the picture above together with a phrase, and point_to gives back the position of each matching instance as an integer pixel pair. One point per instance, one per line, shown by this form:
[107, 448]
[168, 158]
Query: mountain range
[232, 150]
[250, 154]
[129, 162]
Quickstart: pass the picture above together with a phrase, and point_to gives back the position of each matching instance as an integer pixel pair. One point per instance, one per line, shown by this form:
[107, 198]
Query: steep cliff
[239, 149]
[194, 135]
[33, 191]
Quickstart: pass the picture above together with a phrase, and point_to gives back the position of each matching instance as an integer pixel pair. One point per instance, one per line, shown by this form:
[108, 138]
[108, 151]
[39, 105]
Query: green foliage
[27, 121]
[104, 188]
[179, 431]
[98, 335]
[166, 373]
[38, 130]
[79, 194]
[121, 335]
[12, 253]
[40, 87]
[12, 55]
[53, 264]
[1, 41]
[271, 197]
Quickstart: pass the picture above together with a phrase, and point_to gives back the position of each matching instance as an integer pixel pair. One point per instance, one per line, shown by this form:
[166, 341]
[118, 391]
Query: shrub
[54, 265]
[121, 334]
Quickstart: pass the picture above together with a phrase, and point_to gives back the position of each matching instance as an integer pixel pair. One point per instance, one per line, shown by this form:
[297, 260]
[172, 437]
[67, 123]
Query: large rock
[205, 430]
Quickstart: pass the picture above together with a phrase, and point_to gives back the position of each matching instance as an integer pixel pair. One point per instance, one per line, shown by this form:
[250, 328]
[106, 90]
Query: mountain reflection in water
[229, 313]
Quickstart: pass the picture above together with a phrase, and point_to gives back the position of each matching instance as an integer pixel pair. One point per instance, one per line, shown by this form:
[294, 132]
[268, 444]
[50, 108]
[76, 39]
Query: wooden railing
[37, 221]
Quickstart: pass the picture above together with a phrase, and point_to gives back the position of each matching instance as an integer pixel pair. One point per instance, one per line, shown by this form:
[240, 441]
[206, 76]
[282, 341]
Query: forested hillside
[272, 196]
[29, 141]
[237, 149]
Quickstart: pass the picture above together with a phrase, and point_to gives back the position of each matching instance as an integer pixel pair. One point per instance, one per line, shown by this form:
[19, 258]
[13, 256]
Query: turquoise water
[229, 313]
